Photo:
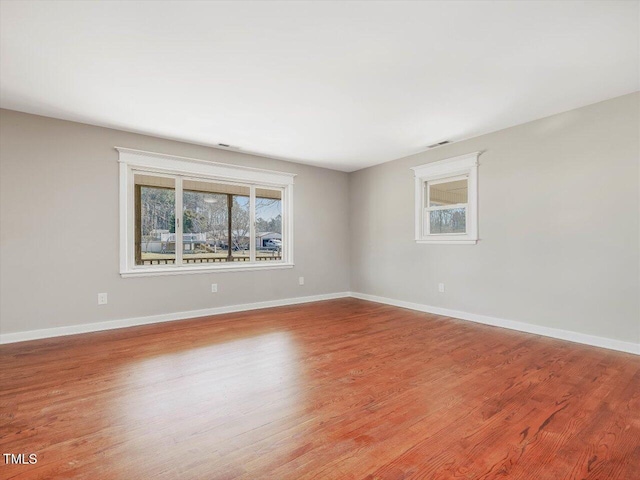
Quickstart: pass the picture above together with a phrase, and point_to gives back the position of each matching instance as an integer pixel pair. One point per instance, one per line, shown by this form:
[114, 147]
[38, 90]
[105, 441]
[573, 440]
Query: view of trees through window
[155, 218]
[240, 228]
[216, 222]
[448, 221]
[446, 203]
[205, 225]
[268, 224]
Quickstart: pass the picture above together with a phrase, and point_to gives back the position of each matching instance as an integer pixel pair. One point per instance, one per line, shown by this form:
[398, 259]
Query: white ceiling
[343, 85]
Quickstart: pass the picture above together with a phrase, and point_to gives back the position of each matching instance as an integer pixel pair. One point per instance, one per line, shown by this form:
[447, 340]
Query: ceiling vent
[439, 144]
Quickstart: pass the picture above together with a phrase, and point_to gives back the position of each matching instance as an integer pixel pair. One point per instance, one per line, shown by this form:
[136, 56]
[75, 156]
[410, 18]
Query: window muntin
[202, 216]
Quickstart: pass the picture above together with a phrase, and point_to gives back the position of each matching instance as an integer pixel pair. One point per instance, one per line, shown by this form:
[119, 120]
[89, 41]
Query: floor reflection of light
[220, 397]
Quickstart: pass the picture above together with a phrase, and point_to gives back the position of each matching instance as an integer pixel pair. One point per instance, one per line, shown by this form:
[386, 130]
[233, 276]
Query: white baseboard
[583, 338]
[169, 317]
[576, 337]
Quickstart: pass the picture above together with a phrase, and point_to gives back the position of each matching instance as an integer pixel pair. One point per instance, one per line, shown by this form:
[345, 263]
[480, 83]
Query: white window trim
[131, 160]
[463, 165]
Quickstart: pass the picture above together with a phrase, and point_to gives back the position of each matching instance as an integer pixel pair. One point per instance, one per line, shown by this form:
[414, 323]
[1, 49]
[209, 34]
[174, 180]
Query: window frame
[450, 169]
[134, 162]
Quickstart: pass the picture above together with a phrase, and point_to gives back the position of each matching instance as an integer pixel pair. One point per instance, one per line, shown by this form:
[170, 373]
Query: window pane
[449, 220]
[154, 220]
[205, 218]
[268, 224]
[206, 222]
[240, 231]
[448, 193]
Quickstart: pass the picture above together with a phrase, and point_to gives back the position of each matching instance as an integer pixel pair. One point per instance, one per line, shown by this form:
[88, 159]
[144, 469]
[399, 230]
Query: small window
[180, 215]
[446, 201]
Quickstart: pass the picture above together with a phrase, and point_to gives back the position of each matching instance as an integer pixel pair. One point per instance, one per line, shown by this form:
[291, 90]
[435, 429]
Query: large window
[180, 216]
[446, 200]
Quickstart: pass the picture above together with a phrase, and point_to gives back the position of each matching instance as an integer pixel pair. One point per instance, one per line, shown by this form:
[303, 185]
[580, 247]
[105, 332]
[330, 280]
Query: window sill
[448, 242]
[155, 272]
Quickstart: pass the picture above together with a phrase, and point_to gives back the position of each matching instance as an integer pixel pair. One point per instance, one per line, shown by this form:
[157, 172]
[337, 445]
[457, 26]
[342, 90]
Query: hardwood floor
[342, 389]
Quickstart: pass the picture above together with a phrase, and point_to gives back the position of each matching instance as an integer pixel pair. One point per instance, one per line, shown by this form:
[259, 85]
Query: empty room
[302, 240]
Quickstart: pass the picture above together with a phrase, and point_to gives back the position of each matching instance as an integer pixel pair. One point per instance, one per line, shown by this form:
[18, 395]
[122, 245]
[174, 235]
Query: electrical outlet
[214, 288]
[441, 287]
[102, 299]
[301, 280]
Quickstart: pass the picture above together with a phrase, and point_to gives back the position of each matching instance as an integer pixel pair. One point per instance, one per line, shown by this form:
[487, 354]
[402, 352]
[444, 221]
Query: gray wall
[59, 230]
[558, 218]
[559, 228]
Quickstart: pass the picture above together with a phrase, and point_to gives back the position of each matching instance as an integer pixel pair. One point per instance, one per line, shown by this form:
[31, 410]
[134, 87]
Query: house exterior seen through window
[180, 216]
